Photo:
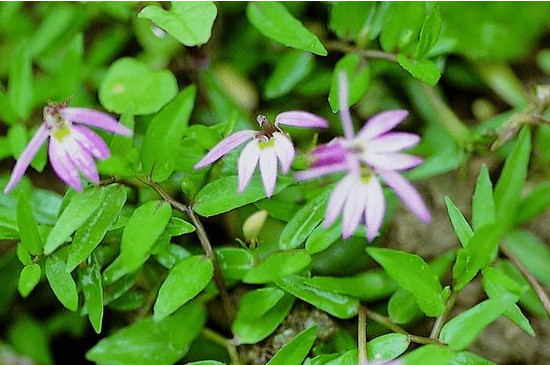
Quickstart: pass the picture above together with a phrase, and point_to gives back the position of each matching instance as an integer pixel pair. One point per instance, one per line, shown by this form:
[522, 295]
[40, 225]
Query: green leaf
[338, 305]
[463, 329]
[62, 282]
[423, 69]
[130, 85]
[149, 342]
[278, 265]
[358, 76]
[17, 138]
[54, 25]
[368, 286]
[30, 338]
[534, 204]
[141, 232]
[7, 112]
[187, 279]
[189, 22]
[532, 252]
[461, 227]
[480, 251]
[468, 358]
[221, 195]
[401, 24]
[274, 21]
[28, 229]
[92, 232]
[80, 208]
[292, 68]
[428, 355]
[351, 19]
[429, 33]
[162, 141]
[512, 177]
[298, 229]
[20, 82]
[294, 352]
[256, 303]
[29, 278]
[483, 205]
[412, 273]
[249, 330]
[234, 262]
[90, 282]
[387, 347]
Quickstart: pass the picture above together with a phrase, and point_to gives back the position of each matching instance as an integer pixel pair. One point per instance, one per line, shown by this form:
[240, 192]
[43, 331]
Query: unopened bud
[253, 225]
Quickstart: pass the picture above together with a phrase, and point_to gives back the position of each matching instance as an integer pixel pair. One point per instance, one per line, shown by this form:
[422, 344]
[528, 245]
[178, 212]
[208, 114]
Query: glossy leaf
[468, 358]
[423, 69]
[351, 19]
[90, 282]
[401, 25]
[28, 279]
[429, 33]
[532, 252]
[428, 355]
[292, 68]
[358, 75]
[387, 347]
[28, 229]
[461, 227]
[234, 262]
[256, 303]
[61, 282]
[483, 205]
[278, 265]
[294, 352]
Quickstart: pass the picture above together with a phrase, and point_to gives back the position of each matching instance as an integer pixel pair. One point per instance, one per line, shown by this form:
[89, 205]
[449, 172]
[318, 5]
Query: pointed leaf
[461, 227]
[90, 281]
[28, 229]
[278, 265]
[62, 282]
[294, 352]
[483, 205]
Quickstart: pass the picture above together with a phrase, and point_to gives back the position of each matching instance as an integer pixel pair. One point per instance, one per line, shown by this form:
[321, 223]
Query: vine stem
[440, 321]
[230, 347]
[362, 336]
[204, 241]
[541, 293]
[367, 53]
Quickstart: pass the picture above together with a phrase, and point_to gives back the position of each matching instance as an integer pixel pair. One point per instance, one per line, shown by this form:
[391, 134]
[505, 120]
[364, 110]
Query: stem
[541, 293]
[347, 48]
[362, 336]
[385, 321]
[440, 321]
[232, 351]
[205, 243]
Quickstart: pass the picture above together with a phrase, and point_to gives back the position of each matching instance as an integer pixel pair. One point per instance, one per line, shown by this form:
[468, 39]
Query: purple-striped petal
[91, 142]
[94, 118]
[82, 159]
[345, 114]
[393, 142]
[247, 163]
[381, 123]
[337, 200]
[316, 172]
[354, 207]
[391, 161]
[63, 165]
[298, 118]
[284, 150]
[407, 193]
[225, 146]
[26, 157]
[329, 154]
[376, 207]
[268, 169]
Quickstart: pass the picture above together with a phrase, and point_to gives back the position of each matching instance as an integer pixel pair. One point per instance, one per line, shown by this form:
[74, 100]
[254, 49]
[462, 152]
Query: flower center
[263, 144]
[60, 131]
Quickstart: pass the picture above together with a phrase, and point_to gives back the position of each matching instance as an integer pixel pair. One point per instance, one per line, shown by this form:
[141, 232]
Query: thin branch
[541, 293]
[440, 321]
[347, 48]
[213, 336]
[362, 336]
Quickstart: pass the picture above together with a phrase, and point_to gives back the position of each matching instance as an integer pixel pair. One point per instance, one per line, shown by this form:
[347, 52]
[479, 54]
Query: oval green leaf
[278, 265]
[294, 352]
[61, 282]
[28, 279]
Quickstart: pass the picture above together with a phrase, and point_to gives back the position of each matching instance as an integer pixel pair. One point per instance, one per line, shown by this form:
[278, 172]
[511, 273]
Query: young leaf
[512, 177]
[428, 355]
[29, 337]
[278, 265]
[256, 303]
[274, 21]
[463, 329]
[358, 75]
[534, 204]
[351, 19]
[91, 233]
[90, 281]
[423, 69]
[289, 71]
[62, 282]
[483, 205]
[304, 222]
[189, 22]
[80, 208]
[461, 227]
[161, 143]
[141, 231]
[294, 352]
[532, 252]
[338, 305]
[387, 347]
[401, 25]
[187, 279]
[412, 273]
[468, 358]
[429, 33]
[234, 262]
[221, 196]
[29, 278]
[28, 229]
[149, 342]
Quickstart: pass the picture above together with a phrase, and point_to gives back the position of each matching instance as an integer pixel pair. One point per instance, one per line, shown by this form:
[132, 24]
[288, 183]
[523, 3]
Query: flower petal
[82, 159]
[376, 206]
[225, 146]
[63, 165]
[247, 163]
[91, 142]
[354, 207]
[284, 150]
[391, 161]
[26, 157]
[345, 115]
[337, 199]
[268, 169]
[298, 118]
[393, 142]
[407, 193]
[381, 123]
[329, 154]
[316, 172]
[94, 118]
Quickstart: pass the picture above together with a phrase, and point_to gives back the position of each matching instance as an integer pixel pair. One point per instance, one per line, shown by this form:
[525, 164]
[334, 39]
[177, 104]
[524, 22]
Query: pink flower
[372, 155]
[72, 147]
[266, 147]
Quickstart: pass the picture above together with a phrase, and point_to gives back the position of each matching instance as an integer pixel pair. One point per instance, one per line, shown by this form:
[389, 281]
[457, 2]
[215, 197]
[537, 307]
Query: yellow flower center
[266, 144]
[60, 132]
